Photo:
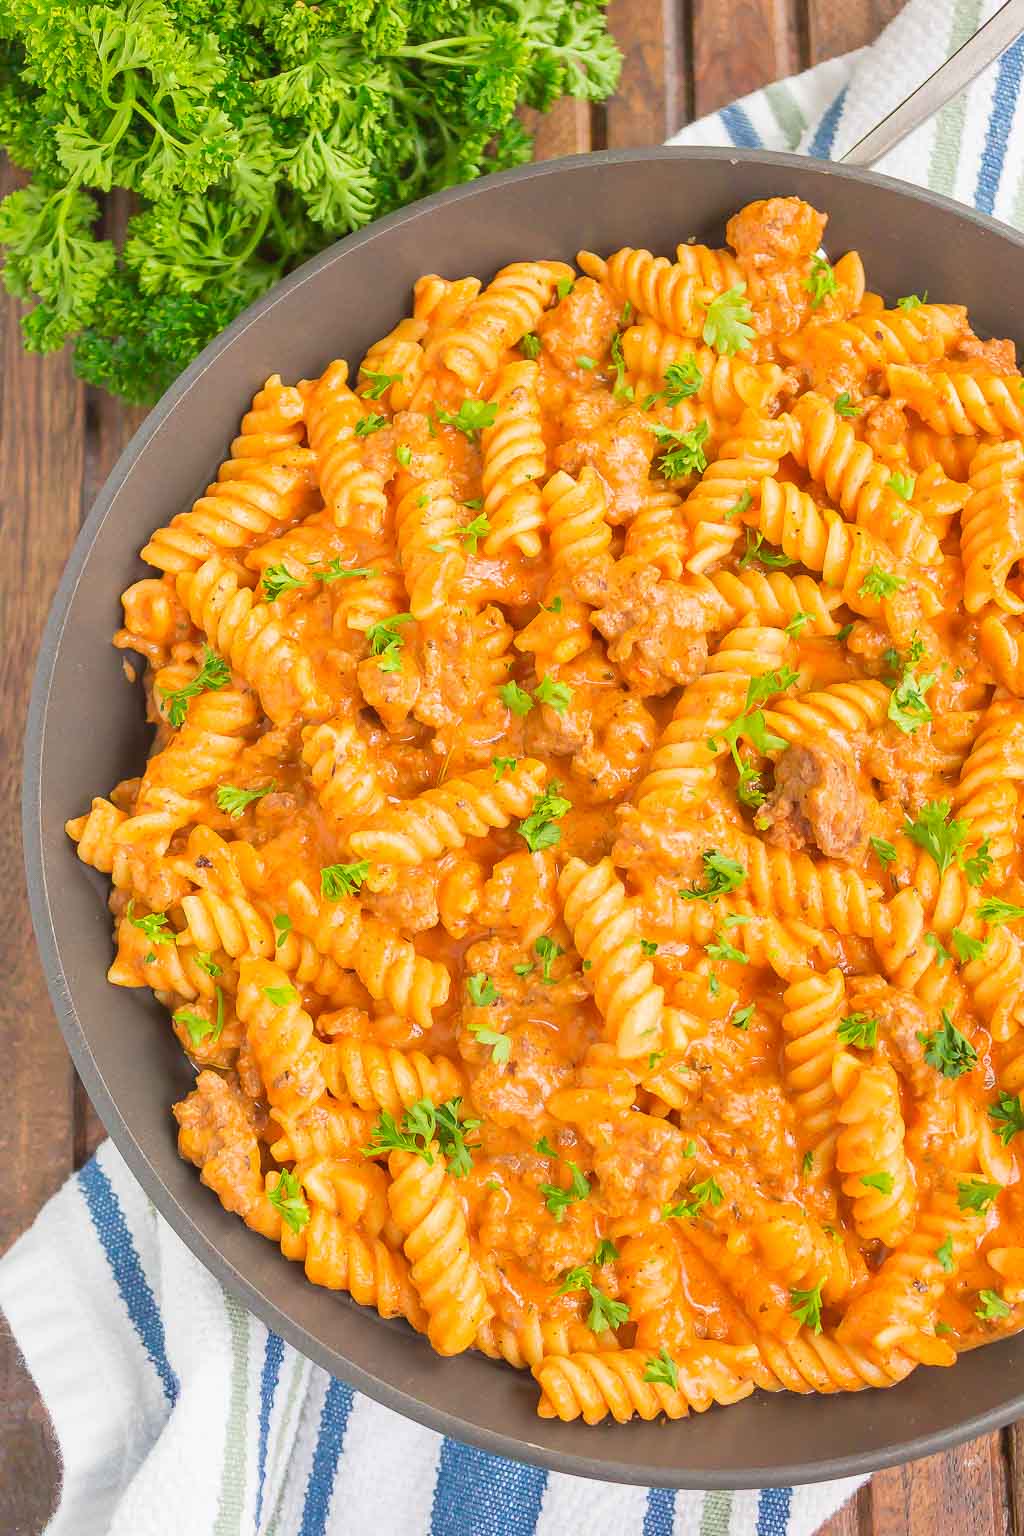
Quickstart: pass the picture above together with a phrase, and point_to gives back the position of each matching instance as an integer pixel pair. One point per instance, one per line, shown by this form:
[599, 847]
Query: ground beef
[775, 232]
[997, 356]
[411, 905]
[655, 628]
[816, 802]
[642, 1160]
[621, 452]
[391, 694]
[580, 325]
[902, 1020]
[621, 736]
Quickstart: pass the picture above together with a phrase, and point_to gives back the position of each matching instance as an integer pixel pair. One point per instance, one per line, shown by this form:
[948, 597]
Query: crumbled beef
[580, 325]
[621, 451]
[816, 802]
[410, 905]
[775, 232]
[391, 694]
[902, 1021]
[640, 1160]
[656, 628]
[997, 356]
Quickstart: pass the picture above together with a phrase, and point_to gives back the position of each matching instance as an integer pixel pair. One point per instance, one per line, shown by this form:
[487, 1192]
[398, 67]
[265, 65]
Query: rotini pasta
[578, 851]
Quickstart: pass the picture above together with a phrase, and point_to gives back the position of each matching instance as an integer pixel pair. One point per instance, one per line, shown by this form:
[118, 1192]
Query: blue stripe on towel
[773, 1511]
[478, 1494]
[333, 1422]
[825, 133]
[660, 1512]
[740, 129]
[1004, 104]
[273, 1354]
[112, 1231]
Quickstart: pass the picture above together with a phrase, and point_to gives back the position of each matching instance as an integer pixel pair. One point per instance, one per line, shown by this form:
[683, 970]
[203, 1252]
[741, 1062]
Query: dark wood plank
[1013, 1450]
[739, 45]
[42, 415]
[651, 101]
[565, 130]
[836, 26]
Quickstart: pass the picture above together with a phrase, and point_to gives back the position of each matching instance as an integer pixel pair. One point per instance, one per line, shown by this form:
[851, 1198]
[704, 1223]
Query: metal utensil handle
[947, 81]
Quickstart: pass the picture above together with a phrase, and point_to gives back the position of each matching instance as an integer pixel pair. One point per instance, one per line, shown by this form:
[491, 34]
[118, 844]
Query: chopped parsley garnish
[557, 695]
[978, 867]
[379, 383]
[649, 947]
[278, 579]
[588, 364]
[806, 1306]
[965, 948]
[544, 1147]
[524, 968]
[367, 425]
[471, 417]
[555, 605]
[911, 301]
[843, 405]
[858, 1029]
[281, 996]
[883, 1182]
[604, 1312]
[620, 389]
[197, 1024]
[338, 880]
[727, 325]
[738, 508]
[992, 1306]
[386, 641]
[529, 345]
[154, 925]
[234, 801]
[685, 454]
[752, 725]
[879, 583]
[721, 875]
[605, 1252]
[653, 1059]
[501, 766]
[820, 281]
[682, 380]
[947, 1050]
[661, 1370]
[721, 949]
[282, 928]
[1008, 1114]
[420, 1125]
[976, 1195]
[757, 549]
[844, 632]
[807, 1163]
[933, 831]
[335, 571]
[944, 1254]
[206, 962]
[482, 991]
[558, 1199]
[539, 829]
[908, 707]
[473, 532]
[547, 951]
[212, 676]
[797, 623]
[501, 1045]
[902, 485]
[565, 286]
[286, 1197]
[742, 1017]
[883, 851]
[993, 910]
[451, 1133]
[941, 952]
[515, 698]
[706, 1192]
[403, 453]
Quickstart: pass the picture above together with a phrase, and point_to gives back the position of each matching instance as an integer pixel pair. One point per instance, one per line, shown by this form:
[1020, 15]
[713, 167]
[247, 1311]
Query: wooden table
[683, 58]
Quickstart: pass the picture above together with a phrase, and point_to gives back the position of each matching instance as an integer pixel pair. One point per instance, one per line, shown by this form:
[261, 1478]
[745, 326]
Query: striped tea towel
[973, 150]
[178, 1414]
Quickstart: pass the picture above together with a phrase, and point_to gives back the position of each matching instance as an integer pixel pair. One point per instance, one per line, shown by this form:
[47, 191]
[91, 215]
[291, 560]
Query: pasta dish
[578, 849]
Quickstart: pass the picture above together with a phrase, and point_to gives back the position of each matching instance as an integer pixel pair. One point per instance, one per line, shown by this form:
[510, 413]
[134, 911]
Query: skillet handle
[947, 81]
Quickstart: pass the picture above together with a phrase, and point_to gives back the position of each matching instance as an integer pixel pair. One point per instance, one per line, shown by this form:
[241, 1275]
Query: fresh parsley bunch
[250, 133]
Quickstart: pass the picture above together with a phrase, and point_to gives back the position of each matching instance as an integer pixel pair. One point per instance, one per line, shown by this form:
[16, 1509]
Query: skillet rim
[76, 1035]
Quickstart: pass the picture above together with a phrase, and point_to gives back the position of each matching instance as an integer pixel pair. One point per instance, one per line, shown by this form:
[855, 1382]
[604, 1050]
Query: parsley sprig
[212, 676]
[287, 1198]
[558, 1199]
[234, 801]
[947, 1050]
[605, 1313]
[422, 1123]
[540, 829]
[684, 453]
[727, 325]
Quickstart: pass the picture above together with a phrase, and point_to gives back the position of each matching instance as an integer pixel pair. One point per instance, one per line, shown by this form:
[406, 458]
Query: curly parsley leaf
[720, 876]
[558, 1199]
[212, 676]
[338, 880]
[288, 1200]
[540, 829]
[234, 801]
[806, 1306]
[947, 1050]
[727, 325]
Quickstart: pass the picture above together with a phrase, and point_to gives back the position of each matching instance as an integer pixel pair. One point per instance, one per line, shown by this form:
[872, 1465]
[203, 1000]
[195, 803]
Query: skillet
[86, 730]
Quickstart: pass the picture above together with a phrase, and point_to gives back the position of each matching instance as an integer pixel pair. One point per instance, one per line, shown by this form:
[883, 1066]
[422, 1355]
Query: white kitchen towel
[178, 1414]
[972, 150]
[175, 1411]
